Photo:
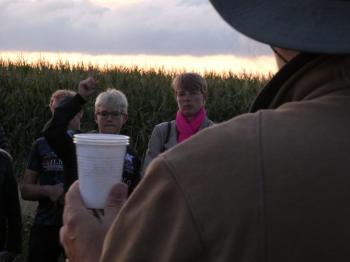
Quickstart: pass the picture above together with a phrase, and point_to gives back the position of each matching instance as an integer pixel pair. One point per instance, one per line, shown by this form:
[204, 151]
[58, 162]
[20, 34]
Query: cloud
[162, 27]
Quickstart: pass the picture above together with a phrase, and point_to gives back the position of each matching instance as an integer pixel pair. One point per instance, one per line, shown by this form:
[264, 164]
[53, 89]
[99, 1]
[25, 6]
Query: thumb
[115, 201]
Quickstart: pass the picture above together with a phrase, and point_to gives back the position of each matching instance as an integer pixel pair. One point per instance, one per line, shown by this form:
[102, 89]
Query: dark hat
[320, 26]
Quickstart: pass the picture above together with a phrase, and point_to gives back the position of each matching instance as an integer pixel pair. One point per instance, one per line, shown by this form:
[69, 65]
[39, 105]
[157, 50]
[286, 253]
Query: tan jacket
[267, 186]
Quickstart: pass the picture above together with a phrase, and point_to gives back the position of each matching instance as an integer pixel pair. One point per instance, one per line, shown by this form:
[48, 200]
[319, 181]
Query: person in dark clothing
[10, 211]
[110, 115]
[3, 140]
[43, 182]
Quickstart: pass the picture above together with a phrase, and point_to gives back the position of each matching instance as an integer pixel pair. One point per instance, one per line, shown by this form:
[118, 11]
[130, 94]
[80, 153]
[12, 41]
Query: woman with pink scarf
[191, 92]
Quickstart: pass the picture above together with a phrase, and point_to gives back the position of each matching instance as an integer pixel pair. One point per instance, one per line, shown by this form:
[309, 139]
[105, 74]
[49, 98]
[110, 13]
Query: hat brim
[306, 25]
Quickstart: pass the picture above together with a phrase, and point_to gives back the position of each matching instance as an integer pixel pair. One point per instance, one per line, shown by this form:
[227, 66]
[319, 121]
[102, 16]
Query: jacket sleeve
[13, 211]
[156, 223]
[55, 132]
[3, 139]
[155, 146]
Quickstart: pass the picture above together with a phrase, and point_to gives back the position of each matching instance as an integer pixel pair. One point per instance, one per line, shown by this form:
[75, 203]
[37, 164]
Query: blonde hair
[190, 82]
[112, 98]
[61, 94]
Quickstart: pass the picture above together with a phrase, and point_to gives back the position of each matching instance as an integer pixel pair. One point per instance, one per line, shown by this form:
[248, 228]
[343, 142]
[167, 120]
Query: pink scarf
[186, 128]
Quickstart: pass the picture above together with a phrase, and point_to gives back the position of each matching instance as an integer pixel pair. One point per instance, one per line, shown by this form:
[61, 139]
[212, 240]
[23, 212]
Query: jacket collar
[273, 87]
[305, 77]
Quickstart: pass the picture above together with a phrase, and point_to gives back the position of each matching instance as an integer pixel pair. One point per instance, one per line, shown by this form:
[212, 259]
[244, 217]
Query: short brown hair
[60, 94]
[190, 82]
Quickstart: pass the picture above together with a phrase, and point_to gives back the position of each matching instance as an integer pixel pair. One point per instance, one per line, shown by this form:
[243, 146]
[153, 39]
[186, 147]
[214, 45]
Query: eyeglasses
[105, 114]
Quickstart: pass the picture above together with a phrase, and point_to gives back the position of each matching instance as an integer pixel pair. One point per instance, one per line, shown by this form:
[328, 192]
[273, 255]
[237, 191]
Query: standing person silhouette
[270, 185]
[191, 92]
[43, 183]
[10, 211]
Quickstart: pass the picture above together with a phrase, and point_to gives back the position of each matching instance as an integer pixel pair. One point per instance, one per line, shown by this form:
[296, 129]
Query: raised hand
[87, 87]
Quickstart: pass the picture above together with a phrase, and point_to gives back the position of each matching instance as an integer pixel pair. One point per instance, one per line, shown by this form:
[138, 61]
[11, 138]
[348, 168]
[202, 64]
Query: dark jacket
[3, 140]
[10, 211]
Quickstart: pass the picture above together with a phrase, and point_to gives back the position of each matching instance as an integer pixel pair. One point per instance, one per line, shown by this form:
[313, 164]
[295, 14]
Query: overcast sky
[153, 27]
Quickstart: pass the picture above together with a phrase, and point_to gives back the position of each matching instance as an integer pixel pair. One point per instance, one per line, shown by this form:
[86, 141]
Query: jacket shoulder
[5, 155]
[164, 125]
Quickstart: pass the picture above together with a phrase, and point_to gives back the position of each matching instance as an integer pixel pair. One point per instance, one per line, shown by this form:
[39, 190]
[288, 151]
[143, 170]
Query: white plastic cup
[100, 159]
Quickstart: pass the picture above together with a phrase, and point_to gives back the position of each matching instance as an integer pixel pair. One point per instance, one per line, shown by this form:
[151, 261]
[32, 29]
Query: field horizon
[218, 64]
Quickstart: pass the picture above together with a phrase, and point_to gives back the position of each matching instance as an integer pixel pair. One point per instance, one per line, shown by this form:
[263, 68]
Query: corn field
[25, 90]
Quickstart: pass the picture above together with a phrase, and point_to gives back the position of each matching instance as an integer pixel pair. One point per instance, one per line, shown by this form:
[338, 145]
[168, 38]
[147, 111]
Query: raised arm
[55, 130]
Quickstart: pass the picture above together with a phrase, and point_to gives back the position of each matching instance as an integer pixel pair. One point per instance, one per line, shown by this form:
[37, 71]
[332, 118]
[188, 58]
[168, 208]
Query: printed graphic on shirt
[50, 172]
[50, 163]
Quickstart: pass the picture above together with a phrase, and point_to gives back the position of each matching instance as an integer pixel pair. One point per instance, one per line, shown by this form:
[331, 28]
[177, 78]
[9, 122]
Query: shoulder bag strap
[167, 135]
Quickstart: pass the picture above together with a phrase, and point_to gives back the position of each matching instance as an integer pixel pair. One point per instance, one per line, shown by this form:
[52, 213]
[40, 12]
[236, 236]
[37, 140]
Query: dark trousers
[44, 244]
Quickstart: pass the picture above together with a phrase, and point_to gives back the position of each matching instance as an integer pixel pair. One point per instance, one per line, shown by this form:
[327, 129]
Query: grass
[26, 89]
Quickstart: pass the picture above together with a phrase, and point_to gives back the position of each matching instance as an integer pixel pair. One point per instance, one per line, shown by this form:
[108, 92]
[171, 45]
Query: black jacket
[3, 139]
[10, 211]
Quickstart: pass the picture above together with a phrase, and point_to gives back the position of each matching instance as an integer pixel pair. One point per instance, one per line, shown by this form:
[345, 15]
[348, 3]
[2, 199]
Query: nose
[187, 96]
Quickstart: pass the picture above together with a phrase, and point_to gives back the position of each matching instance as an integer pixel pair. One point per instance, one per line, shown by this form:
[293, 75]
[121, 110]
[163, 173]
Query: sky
[131, 30]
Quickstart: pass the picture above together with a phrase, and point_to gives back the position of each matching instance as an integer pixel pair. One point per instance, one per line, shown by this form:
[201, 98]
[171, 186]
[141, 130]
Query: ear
[81, 113]
[125, 118]
[204, 99]
[95, 117]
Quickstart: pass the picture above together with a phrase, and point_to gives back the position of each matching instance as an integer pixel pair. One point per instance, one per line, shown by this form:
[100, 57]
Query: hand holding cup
[82, 234]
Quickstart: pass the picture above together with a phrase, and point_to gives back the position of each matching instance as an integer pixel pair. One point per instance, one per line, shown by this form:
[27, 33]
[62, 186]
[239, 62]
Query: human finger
[74, 204]
[115, 201]
[73, 196]
[67, 242]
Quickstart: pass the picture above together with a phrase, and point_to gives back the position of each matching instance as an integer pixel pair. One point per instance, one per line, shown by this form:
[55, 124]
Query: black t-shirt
[50, 170]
